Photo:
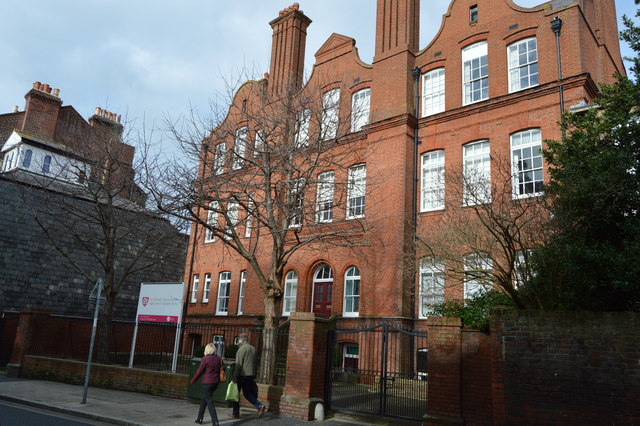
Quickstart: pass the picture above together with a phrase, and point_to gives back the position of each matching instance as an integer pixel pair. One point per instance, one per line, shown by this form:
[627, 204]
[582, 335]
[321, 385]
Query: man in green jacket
[244, 374]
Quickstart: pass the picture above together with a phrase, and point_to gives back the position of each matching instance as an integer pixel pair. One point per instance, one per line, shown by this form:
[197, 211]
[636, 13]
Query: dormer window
[46, 164]
[26, 161]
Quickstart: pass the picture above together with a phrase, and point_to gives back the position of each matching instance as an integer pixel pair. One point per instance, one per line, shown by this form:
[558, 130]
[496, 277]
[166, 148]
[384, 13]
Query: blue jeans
[207, 401]
[247, 384]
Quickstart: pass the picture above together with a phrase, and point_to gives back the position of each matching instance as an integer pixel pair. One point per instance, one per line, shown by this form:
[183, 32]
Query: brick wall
[477, 401]
[569, 368]
[106, 376]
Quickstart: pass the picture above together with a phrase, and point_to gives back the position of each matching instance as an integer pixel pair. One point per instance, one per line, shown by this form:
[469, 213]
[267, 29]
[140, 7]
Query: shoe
[199, 421]
[261, 411]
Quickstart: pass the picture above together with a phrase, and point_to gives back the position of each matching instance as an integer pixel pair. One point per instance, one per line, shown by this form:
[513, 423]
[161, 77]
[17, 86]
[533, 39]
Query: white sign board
[160, 302]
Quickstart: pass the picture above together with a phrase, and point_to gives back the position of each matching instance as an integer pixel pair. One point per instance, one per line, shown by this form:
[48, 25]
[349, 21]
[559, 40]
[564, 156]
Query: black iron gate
[379, 370]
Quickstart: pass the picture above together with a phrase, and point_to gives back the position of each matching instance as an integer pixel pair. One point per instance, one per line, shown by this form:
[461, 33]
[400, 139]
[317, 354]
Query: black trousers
[249, 388]
[207, 401]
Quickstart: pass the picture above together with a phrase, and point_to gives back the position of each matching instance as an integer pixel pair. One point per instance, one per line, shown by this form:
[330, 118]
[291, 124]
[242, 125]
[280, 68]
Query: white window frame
[432, 283]
[212, 220]
[194, 288]
[290, 293]
[527, 163]
[219, 157]
[243, 285]
[330, 114]
[324, 198]
[346, 355]
[239, 148]
[207, 287]
[296, 194]
[218, 342]
[432, 184]
[433, 91]
[259, 145]
[477, 172]
[475, 73]
[519, 264]
[522, 57]
[360, 109]
[232, 219]
[351, 301]
[248, 222]
[482, 264]
[356, 191]
[224, 286]
[302, 128]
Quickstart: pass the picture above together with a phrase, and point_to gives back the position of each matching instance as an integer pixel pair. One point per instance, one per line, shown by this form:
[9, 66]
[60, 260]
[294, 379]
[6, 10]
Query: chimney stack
[287, 49]
[41, 111]
[397, 27]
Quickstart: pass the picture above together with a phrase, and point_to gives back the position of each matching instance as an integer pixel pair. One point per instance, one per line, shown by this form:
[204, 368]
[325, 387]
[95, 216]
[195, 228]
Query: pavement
[136, 409]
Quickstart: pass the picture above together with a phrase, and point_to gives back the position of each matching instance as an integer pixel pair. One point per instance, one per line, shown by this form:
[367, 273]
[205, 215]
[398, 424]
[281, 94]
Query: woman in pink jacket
[209, 369]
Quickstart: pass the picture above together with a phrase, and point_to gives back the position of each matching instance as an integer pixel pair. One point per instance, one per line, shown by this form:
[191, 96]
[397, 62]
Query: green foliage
[475, 312]
[198, 352]
[230, 351]
[589, 262]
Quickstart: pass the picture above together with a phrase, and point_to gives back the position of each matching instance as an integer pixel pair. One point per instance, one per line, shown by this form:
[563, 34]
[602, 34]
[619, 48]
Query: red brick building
[489, 90]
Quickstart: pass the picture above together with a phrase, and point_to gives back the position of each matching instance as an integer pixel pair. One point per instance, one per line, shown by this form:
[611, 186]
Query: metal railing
[69, 338]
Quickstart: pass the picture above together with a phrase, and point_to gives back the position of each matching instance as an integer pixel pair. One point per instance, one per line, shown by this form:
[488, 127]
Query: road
[20, 415]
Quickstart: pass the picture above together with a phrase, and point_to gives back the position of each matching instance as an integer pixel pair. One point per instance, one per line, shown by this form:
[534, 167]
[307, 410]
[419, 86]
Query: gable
[335, 46]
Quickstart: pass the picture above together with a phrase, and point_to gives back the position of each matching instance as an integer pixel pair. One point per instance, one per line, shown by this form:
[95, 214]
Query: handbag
[232, 392]
[223, 374]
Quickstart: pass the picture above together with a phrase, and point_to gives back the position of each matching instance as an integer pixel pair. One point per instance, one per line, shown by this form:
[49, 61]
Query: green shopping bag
[232, 392]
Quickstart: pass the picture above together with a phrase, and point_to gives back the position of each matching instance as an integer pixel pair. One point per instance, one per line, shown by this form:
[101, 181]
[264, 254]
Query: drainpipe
[556, 27]
[414, 207]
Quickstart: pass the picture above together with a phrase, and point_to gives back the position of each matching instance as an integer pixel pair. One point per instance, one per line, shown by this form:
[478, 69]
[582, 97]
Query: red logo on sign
[145, 300]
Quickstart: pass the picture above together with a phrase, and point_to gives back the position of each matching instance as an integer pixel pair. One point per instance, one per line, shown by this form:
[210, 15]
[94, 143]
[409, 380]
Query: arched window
[322, 290]
[352, 292]
[46, 165]
[290, 292]
[26, 161]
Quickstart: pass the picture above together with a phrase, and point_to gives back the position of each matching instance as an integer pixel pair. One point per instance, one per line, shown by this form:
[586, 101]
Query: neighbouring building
[51, 159]
[489, 89]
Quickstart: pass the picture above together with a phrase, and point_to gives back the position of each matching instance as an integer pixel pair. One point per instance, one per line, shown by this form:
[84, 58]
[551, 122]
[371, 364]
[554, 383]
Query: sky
[152, 59]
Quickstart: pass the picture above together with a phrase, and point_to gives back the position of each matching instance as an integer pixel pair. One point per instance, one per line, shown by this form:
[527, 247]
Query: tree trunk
[269, 341]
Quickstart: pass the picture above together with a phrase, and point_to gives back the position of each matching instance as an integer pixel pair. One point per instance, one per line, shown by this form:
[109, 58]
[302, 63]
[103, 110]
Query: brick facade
[388, 285]
[392, 146]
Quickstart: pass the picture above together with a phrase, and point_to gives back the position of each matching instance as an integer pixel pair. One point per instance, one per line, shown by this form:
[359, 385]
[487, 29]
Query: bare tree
[484, 238]
[273, 171]
[89, 206]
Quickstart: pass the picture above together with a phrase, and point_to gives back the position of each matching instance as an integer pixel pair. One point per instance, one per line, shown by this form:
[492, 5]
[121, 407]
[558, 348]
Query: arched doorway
[322, 290]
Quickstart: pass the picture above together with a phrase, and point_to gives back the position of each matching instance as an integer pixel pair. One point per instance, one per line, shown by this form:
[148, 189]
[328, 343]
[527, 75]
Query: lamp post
[556, 27]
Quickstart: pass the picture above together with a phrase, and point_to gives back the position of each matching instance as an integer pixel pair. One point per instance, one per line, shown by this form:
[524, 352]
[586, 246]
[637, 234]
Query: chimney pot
[119, 118]
[15, 108]
[97, 111]
[37, 85]
[56, 92]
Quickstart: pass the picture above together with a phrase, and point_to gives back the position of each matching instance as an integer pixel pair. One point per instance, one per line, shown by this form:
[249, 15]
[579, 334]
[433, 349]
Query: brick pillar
[23, 340]
[306, 364]
[444, 399]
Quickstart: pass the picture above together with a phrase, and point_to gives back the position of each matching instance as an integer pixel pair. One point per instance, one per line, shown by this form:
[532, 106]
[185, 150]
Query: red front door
[322, 290]
[322, 293]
